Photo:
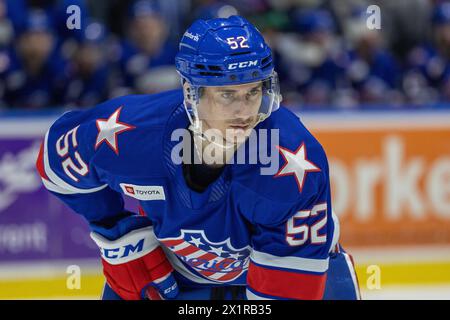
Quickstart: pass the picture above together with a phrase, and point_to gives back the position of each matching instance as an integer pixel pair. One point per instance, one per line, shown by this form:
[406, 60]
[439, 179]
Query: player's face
[233, 110]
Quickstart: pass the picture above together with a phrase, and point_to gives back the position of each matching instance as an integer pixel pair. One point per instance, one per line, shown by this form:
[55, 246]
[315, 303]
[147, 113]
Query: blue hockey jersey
[270, 232]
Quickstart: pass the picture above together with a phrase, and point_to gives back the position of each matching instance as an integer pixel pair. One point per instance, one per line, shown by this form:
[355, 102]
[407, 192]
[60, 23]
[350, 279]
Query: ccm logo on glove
[123, 251]
[136, 267]
[135, 245]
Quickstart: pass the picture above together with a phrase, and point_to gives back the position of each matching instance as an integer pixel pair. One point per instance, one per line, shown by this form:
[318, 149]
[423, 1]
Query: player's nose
[241, 109]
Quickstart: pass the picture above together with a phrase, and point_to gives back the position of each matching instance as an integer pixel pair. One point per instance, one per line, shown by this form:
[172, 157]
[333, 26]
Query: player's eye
[227, 95]
[254, 92]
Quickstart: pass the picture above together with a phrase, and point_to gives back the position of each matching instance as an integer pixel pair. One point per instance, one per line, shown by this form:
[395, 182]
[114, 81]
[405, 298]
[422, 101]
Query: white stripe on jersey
[295, 263]
[218, 275]
[180, 268]
[57, 180]
[337, 231]
[196, 254]
[351, 268]
[53, 187]
[181, 246]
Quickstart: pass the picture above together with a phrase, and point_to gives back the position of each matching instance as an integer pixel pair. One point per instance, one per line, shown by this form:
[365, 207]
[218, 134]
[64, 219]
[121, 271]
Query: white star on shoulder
[196, 241]
[296, 165]
[109, 129]
[218, 251]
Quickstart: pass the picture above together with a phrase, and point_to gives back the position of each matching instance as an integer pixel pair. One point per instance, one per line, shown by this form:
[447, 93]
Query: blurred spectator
[89, 72]
[6, 27]
[372, 70]
[56, 10]
[427, 78]
[147, 46]
[35, 71]
[16, 12]
[215, 9]
[405, 24]
[58, 16]
[323, 51]
[179, 15]
[111, 12]
[6, 36]
[312, 59]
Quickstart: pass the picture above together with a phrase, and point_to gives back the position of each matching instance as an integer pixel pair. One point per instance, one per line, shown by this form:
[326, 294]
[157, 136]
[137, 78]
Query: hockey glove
[136, 267]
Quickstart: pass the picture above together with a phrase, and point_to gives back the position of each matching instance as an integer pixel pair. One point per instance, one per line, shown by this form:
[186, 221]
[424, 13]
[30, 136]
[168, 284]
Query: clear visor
[229, 113]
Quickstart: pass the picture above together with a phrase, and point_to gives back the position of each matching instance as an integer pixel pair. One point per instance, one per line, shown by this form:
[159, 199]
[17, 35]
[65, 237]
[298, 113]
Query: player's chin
[238, 134]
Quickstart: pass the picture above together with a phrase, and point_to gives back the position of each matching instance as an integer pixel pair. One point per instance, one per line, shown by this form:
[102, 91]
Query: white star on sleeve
[296, 165]
[109, 129]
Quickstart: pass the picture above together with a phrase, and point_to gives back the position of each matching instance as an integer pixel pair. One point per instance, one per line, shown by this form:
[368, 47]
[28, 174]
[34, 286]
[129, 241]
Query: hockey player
[211, 226]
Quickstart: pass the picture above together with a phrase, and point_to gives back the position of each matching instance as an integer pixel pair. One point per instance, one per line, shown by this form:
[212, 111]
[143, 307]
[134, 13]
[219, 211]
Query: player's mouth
[240, 129]
[241, 125]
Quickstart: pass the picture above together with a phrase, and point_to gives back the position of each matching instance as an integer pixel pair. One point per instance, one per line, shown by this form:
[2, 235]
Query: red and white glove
[136, 267]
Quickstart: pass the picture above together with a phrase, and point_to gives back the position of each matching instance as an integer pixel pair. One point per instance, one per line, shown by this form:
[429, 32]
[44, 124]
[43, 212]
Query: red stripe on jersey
[286, 284]
[187, 251]
[224, 263]
[207, 257]
[40, 163]
[172, 243]
[230, 275]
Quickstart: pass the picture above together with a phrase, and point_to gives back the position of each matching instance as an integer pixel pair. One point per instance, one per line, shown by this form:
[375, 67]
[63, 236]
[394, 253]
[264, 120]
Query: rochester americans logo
[217, 261]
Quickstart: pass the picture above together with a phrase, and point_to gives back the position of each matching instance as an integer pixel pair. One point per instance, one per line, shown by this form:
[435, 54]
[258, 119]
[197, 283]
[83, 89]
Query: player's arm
[291, 250]
[290, 260]
[132, 259]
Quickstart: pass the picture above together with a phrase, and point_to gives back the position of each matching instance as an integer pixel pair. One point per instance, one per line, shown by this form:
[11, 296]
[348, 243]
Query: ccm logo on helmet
[122, 252]
[243, 64]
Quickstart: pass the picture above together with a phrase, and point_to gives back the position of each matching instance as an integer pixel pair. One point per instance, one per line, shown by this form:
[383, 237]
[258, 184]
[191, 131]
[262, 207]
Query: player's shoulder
[294, 174]
[123, 134]
[291, 128]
